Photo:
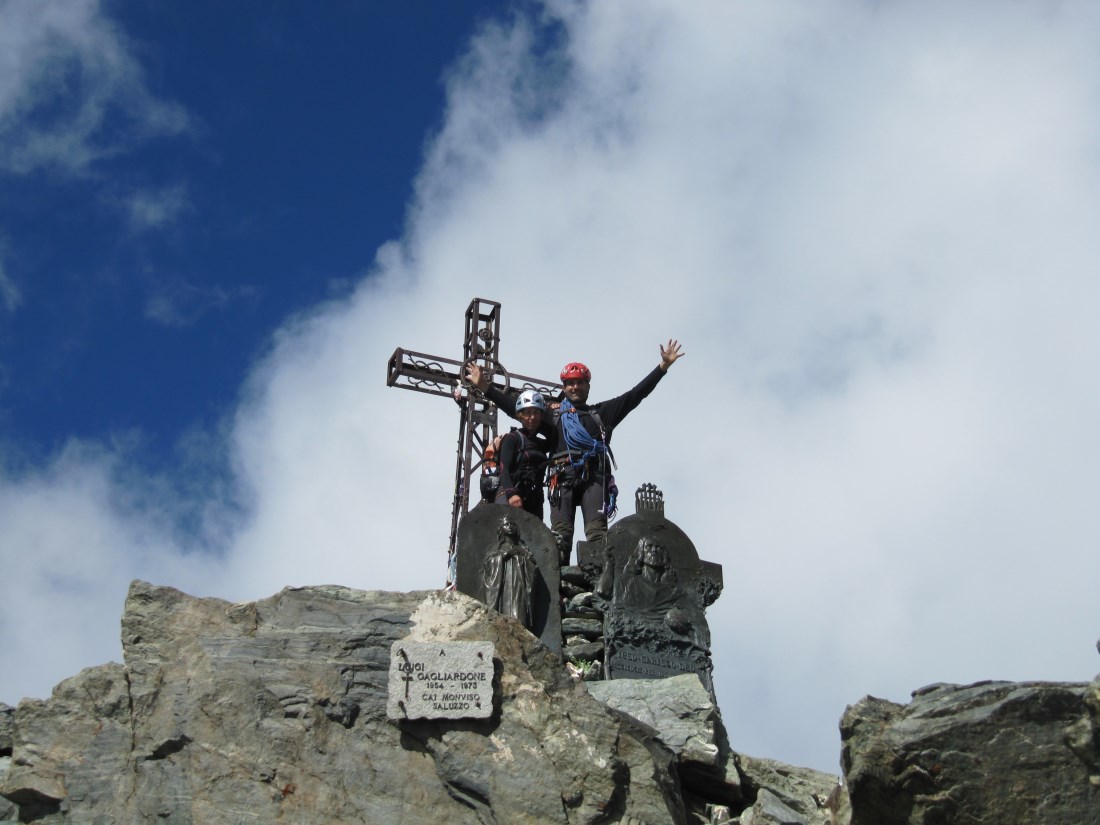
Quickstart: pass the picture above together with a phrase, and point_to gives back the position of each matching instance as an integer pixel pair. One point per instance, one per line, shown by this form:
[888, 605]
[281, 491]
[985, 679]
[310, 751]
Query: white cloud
[872, 227]
[178, 302]
[70, 92]
[75, 534]
[153, 209]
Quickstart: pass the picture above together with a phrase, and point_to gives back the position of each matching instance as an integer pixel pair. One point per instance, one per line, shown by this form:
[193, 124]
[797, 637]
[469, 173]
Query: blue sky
[872, 225]
[245, 161]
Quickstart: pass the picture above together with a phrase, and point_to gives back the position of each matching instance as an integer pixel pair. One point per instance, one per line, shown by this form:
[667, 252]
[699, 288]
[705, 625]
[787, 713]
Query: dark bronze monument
[507, 559]
[654, 592]
[509, 575]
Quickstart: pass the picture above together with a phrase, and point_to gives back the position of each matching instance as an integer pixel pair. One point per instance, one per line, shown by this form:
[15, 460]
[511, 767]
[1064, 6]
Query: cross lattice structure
[477, 427]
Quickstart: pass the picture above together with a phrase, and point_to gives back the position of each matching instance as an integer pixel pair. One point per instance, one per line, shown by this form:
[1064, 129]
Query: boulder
[770, 810]
[1003, 752]
[681, 711]
[816, 798]
[683, 716]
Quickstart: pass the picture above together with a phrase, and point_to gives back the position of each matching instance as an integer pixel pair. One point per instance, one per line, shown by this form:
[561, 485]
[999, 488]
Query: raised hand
[477, 376]
[670, 354]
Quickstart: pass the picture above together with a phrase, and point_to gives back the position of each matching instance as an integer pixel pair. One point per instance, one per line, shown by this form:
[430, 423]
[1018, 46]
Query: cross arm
[436, 375]
[421, 372]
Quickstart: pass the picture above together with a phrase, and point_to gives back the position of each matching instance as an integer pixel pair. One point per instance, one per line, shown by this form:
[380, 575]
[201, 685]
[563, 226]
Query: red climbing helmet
[574, 371]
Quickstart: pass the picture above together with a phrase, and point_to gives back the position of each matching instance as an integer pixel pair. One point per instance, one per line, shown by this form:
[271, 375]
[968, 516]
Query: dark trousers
[589, 496]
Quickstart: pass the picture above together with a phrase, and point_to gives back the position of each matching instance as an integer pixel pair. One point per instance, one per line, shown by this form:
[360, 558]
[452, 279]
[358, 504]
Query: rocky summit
[284, 710]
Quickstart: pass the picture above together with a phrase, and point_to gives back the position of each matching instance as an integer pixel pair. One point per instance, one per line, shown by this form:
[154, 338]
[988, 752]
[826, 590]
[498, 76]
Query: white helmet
[530, 399]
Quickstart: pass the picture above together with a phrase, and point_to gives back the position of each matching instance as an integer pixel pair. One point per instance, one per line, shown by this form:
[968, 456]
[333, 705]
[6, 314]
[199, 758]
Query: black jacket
[522, 464]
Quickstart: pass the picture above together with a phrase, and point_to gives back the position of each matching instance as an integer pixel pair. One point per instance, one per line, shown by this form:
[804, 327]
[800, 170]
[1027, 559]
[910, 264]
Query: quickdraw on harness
[579, 440]
[611, 507]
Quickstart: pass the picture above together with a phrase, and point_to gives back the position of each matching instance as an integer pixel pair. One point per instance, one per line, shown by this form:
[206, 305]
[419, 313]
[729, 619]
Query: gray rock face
[681, 713]
[686, 721]
[276, 711]
[775, 789]
[990, 752]
[770, 810]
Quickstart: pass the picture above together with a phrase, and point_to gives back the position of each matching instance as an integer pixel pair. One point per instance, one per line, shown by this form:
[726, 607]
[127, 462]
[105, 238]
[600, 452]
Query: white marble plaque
[441, 680]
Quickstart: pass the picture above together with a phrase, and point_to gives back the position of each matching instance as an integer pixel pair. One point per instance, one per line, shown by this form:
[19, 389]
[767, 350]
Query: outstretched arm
[670, 354]
[614, 410]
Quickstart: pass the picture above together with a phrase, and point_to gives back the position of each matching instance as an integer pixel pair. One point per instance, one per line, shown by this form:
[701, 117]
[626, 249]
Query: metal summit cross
[477, 425]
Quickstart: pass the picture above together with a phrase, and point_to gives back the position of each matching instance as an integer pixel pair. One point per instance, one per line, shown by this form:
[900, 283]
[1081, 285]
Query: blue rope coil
[577, 438]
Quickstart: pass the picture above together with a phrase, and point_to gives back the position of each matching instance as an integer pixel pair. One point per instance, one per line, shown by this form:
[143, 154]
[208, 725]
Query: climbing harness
[579, 440]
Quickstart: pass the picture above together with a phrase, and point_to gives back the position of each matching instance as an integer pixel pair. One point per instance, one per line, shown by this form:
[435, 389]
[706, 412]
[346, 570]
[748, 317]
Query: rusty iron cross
[477, 426]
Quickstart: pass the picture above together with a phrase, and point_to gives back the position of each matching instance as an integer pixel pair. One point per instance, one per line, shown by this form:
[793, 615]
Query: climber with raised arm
[580, 470]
